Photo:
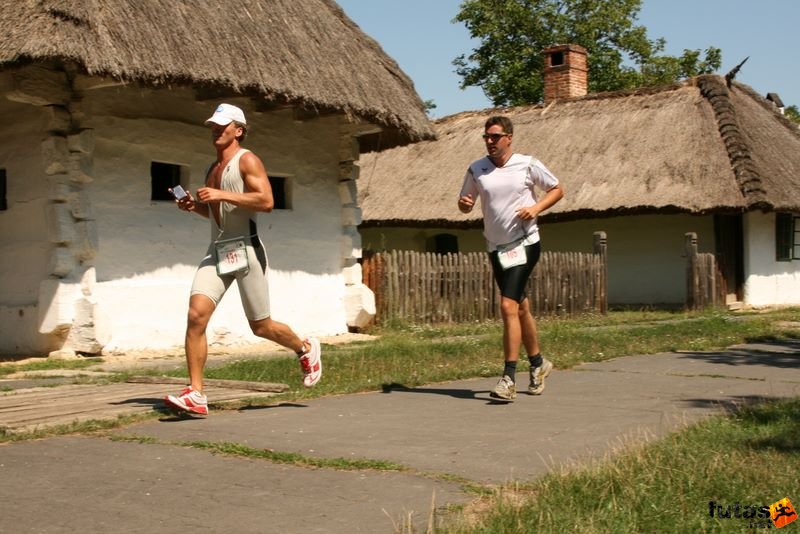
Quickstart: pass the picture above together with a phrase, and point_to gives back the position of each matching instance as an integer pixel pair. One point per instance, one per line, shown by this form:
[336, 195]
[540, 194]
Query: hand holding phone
[178, 192]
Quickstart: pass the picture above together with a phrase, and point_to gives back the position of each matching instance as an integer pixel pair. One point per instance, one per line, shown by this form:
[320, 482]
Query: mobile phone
[178, 192]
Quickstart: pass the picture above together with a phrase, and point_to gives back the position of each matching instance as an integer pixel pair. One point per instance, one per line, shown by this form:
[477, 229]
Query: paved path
[147, 478]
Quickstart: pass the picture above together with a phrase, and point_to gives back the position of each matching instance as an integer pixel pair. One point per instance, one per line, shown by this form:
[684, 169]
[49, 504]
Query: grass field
[749, 459]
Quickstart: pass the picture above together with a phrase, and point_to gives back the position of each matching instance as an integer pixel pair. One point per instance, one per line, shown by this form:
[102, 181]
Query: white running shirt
[504, 190]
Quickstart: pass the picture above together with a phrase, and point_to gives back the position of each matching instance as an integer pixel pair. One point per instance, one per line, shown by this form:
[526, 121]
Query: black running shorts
[512, 281]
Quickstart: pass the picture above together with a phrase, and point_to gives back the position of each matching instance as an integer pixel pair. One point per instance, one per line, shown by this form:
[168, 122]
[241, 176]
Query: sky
[420, 36]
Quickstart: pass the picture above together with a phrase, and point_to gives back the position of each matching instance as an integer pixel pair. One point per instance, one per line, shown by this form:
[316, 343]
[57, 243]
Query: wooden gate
[705, 283]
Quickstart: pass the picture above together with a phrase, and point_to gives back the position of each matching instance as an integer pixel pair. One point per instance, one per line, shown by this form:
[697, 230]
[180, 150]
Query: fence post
[692, 283]
[601, 290]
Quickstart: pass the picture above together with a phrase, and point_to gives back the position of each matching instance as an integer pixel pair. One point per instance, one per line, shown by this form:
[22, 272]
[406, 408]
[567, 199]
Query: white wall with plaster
[646, 253]
[147, 250]
[767, 281]
[24, 241]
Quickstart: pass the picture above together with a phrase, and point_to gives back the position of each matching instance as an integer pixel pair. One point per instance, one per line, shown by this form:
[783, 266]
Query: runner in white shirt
[505, 182]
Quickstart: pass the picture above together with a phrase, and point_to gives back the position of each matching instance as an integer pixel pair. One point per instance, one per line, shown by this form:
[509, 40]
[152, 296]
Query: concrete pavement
[146, 477]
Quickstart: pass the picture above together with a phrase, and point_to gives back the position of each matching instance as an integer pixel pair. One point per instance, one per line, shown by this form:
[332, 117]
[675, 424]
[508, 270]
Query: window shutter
[784, 236]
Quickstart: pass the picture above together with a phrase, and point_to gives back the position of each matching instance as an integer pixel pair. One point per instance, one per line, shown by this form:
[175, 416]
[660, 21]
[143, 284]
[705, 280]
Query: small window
[164, 176]
[3, 200]
[280, 193]
[787, 237]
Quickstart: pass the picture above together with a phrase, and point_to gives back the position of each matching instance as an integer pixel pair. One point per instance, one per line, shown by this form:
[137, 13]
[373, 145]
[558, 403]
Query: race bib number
[512, 257]
[231, 256]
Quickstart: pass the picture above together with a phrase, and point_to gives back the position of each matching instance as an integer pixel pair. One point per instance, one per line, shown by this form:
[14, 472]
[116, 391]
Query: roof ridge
[744, 168]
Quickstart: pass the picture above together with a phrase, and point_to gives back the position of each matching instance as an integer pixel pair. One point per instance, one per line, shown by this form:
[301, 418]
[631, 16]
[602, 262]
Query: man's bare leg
[308, 351]
[530, 332]
[279, 333]
[512, 331]
[200, 310]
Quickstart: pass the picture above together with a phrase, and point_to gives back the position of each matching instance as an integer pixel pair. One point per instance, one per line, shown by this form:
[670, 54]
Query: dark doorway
[728, 237]
[442, 244]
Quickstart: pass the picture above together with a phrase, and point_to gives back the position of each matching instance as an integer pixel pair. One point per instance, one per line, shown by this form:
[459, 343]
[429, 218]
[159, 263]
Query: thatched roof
[695, 147]
[306, 53]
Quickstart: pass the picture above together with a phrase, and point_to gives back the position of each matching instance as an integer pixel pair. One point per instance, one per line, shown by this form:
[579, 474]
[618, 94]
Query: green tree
[429, 105]
[793, 114]
[508, 63]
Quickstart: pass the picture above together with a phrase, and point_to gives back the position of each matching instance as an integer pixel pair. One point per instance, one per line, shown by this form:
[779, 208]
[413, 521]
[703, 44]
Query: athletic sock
[536, 361]
[510, 370]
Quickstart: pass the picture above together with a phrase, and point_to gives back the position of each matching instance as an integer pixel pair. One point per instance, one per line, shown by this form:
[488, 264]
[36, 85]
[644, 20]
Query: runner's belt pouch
[512, 254]
[231, 256]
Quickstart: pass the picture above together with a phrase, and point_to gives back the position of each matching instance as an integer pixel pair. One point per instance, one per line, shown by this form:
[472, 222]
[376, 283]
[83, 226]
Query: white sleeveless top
[234, 221]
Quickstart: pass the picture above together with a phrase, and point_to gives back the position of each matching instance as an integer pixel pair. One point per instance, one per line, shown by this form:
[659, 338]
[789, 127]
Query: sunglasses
[494, 137]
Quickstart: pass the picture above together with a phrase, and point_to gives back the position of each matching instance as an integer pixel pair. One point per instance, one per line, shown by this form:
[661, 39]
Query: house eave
[570, 216]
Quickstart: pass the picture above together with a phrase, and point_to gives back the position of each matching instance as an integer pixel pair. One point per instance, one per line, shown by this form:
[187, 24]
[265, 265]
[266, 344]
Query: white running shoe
[505, 389]
[538, 374]
[188, 400]
[311, 363]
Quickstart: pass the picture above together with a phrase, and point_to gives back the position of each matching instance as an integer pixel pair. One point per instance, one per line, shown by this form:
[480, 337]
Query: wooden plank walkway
[38, 408]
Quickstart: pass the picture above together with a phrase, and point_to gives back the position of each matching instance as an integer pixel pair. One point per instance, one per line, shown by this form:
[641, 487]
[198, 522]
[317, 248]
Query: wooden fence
[440, 288]
[705, 285]
[427, 287]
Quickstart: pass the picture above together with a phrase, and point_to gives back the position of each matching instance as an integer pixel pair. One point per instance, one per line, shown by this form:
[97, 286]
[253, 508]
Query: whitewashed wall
[767, 282]
[646, 257]
[148, 250]
[24, 245]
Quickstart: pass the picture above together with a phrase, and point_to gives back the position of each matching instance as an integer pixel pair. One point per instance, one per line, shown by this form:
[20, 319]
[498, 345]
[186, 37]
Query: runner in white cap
[236, 189]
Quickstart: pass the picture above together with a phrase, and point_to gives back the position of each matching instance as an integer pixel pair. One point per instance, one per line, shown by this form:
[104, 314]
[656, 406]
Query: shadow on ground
[457, 393]
[785, 355]
[731, 405]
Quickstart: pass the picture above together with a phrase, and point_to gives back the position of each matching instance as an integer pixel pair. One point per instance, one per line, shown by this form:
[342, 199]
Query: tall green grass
[749, 458]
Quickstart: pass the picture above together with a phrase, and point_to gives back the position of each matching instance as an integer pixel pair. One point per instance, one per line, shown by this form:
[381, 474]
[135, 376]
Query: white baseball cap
[226, 114]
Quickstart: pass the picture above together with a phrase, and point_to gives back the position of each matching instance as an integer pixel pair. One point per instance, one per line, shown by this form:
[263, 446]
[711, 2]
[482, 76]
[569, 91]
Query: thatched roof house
[707, 155]
[282, 52]
[696, 147]
[105, 102]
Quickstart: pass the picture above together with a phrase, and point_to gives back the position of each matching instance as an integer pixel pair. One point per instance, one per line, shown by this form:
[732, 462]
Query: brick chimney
[565, 72]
